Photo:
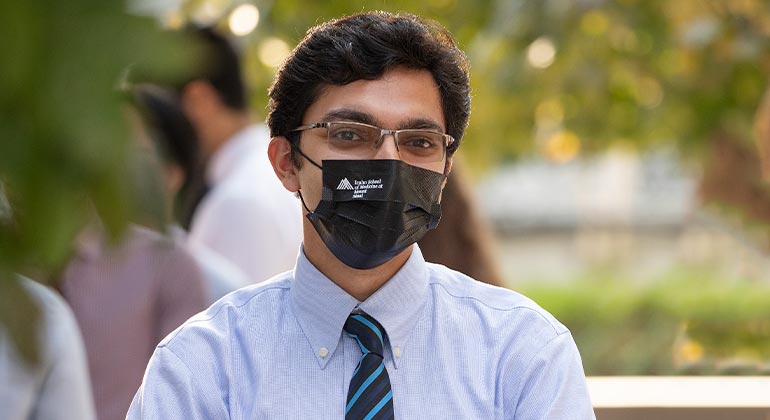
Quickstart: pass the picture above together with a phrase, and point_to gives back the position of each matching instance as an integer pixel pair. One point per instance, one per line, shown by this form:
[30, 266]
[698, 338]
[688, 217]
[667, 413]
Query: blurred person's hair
[219, 64]
[363, 47]
[174, 137]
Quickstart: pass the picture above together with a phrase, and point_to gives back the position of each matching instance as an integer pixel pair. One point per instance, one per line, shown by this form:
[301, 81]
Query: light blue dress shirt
[456, 349]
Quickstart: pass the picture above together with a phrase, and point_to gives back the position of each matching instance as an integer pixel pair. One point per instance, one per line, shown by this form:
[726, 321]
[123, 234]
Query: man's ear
[279, 152]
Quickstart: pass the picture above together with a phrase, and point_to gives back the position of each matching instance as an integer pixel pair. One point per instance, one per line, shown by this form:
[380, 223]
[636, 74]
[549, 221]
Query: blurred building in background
[637, 214]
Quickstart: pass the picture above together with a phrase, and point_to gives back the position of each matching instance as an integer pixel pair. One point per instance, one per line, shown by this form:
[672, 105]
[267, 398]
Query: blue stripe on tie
[363, 387]
[379, 405]
[360, 344]
[370, 325]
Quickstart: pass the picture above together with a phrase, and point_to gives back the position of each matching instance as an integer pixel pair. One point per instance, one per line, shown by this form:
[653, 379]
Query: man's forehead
[401, 97]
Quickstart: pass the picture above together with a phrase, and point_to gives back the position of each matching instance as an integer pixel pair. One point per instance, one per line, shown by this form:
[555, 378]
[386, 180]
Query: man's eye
[419, 142]
[346, 134]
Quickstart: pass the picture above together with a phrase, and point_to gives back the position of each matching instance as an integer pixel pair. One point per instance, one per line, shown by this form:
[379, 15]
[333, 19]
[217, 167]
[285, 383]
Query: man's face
[402, 98]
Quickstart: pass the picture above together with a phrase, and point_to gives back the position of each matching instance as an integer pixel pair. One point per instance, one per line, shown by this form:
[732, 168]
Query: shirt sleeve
[65, 392]
[170, 390]
[553, 385]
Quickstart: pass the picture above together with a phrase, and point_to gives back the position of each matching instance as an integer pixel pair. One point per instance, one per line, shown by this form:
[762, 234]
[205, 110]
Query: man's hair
[363, 47]
[219, 65]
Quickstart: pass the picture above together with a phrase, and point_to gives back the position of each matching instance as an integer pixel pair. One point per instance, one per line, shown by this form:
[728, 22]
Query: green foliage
[632, 72]
[684, 322]
[66, 146]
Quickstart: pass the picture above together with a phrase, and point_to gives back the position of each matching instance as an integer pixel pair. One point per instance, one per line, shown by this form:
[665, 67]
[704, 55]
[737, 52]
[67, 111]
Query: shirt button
[397, 351]
[323, 352]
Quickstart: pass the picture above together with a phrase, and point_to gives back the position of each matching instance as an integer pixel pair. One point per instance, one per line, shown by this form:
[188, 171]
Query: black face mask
[372, 210]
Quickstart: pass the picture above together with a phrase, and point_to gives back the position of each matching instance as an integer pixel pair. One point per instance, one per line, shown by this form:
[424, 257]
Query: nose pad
[387, 148]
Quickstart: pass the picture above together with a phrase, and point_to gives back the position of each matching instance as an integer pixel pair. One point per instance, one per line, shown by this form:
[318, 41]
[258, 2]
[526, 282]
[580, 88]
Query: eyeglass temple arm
[311, 126]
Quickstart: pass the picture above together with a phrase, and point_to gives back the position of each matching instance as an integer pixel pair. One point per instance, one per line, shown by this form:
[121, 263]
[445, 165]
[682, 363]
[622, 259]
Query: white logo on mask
[345, 185]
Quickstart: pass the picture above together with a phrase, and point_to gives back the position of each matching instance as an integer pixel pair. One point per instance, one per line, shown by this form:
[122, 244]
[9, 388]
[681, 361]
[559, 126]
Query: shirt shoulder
[58, 327]
[536, 362]
[58, 386]
[148, 248]
[254, 306]
[496, 306]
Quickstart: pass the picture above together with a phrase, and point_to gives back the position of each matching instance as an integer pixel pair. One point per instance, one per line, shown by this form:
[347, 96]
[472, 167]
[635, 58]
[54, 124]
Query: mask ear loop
[296, 148]
[303, 201]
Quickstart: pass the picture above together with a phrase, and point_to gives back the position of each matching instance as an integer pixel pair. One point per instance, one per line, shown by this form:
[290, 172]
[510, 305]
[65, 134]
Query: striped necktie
[369, 395]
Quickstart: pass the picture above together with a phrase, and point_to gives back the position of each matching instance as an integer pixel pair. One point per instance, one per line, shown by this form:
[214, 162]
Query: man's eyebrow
[423, 123]
[346, 114]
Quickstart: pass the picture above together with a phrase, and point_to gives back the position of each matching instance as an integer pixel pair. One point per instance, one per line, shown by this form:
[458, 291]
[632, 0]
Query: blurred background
[610, 149]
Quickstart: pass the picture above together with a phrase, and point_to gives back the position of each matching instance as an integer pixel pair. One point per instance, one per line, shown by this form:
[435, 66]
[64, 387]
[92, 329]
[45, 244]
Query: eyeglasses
[361, 141]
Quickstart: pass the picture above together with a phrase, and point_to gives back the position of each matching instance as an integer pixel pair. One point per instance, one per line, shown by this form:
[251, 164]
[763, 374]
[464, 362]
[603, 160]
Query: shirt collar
[247, 142]
[322, 307]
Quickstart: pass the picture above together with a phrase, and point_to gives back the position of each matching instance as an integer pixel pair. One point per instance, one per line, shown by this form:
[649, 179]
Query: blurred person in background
[168, 130]
[463, 241]
[128, 294]
[56, 386]
[163, 127]
[246, 215]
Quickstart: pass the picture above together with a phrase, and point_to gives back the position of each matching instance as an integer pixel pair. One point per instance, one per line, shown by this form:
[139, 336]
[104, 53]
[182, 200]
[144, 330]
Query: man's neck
[220, 130]
[358, 283]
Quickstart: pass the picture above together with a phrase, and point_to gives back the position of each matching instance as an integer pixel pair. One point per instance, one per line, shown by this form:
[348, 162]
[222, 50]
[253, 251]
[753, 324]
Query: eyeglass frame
[448, 139]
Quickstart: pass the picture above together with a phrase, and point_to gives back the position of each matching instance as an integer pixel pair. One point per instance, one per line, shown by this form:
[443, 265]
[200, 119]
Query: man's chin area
[398, 260]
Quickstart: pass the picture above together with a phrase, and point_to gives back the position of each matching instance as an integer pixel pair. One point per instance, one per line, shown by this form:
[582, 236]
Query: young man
[365, 116]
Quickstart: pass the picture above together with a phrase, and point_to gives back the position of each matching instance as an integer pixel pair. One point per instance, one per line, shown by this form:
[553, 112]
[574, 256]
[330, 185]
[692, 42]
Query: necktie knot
[367, 332]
